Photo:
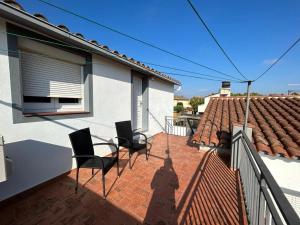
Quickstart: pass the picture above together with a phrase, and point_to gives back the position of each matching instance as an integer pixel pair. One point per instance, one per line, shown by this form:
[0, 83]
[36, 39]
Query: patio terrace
[178, 185]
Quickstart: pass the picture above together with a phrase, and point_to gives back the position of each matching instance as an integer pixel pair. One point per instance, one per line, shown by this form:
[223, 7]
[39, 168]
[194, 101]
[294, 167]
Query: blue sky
[254, 33]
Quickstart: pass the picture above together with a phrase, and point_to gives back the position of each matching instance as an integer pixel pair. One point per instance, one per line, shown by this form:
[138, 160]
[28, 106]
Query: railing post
[232, 160]
[235, 149]
[235, 155]
[166, 124]
[3, 172]
[261, 204]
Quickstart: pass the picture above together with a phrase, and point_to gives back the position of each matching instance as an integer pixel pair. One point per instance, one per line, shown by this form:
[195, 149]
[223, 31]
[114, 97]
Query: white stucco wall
[202, 107]
[286, 173]
[41, 150]
[161, 95]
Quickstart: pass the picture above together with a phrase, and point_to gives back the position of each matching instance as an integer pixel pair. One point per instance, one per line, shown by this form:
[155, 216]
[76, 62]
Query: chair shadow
[56, 203]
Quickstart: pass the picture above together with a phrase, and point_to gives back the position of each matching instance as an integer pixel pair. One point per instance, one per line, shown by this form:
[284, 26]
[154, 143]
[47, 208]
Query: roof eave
[23, 18]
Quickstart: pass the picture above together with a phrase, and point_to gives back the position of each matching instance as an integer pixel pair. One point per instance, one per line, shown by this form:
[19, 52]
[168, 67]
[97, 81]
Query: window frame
[54, 106]
[16, 104]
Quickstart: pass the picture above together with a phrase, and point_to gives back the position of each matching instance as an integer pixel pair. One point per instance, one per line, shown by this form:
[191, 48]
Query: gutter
[27, 20]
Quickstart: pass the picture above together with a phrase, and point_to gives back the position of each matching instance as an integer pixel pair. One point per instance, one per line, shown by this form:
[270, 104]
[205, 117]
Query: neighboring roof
[275, 122]
[212, 95]
[181, 98]
[13, 11]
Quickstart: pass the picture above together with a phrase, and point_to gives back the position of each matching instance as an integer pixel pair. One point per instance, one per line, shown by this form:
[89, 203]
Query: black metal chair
[84, 153]
[126, 139]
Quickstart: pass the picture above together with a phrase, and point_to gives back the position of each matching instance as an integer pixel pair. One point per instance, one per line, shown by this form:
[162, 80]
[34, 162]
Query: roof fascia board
[23, 18]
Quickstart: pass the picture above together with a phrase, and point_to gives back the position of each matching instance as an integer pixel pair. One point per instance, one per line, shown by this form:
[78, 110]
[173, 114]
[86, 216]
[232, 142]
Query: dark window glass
[68, 100]
[36, 99]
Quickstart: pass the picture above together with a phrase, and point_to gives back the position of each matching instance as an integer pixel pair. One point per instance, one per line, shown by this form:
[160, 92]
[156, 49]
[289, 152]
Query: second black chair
[126, 139]
[84, 153]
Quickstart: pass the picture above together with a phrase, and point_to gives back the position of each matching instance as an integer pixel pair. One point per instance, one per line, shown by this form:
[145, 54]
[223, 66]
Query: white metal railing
[3, 173]
[293, 197]
[180, 126]
[265, 201]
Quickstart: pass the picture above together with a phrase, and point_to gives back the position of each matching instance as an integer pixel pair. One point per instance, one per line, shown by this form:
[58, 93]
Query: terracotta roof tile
[275, 122]
[39, 16]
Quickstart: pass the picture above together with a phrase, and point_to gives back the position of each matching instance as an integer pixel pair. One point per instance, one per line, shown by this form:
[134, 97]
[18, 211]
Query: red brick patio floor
[177, 185]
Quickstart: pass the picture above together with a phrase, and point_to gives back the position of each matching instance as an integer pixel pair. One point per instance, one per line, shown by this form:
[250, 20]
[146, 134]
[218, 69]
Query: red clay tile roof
[275, 121]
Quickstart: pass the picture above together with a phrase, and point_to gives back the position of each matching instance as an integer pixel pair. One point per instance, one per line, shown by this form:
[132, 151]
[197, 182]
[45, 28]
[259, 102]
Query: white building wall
[202, 107]
[41, 150]
[161, 95]
[286, 173]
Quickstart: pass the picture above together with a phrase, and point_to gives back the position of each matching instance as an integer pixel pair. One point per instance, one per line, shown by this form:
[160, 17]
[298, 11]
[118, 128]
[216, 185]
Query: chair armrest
[85, 156]
[89, 156]
[111, 144]
[139, 133]
[134, 130]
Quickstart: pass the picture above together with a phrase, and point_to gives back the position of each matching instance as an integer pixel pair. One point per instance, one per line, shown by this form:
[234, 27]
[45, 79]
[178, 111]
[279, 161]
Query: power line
[188, 71]
[130, 37]
[204, 76]
[278, 59]
[78, 48]
[215, 39]
[200, 76]
[197, 77]
[20, 53]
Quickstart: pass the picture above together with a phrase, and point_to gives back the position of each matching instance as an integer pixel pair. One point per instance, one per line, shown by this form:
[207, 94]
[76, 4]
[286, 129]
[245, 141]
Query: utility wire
[188, 71]
[130, 37]
[278, 59]
[204, 76]
[215, 39]
[197, 77]
[22, 53]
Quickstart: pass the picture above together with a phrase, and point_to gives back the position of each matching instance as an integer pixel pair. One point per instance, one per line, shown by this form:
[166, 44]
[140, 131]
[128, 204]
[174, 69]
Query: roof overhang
[25, 19]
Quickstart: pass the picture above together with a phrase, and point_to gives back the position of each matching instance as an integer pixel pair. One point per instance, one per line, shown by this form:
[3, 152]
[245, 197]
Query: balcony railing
[265, 201]
[181, 126]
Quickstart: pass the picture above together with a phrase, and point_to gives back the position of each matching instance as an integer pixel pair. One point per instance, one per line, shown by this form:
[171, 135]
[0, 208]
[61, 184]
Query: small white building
[54, 82]
[225, 91]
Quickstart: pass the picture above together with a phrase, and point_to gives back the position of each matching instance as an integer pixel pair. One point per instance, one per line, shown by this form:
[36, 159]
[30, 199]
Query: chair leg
[92, 171]
[130, 161]
[103, 183]
[77, 176]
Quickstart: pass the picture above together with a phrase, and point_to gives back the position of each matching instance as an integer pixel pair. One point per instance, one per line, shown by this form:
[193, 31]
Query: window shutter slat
[48, 77]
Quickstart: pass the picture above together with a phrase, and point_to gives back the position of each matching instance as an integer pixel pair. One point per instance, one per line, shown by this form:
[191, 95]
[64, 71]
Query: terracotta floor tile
[177, 185]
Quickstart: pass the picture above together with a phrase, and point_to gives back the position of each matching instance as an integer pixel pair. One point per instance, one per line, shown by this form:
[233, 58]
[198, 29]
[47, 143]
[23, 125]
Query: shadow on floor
[147, 194]
[162, 207]
[213, 196]
[47, 207]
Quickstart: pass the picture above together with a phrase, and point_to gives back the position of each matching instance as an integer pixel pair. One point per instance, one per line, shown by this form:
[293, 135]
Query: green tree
[245, 94]
[195, 101]
[179, 107]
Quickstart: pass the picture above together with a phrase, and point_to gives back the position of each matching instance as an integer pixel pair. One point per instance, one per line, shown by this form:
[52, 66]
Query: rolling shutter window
[49, 77]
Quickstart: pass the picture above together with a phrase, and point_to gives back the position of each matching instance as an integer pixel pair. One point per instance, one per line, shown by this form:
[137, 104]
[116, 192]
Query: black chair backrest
[124, 130]
[82, 144]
